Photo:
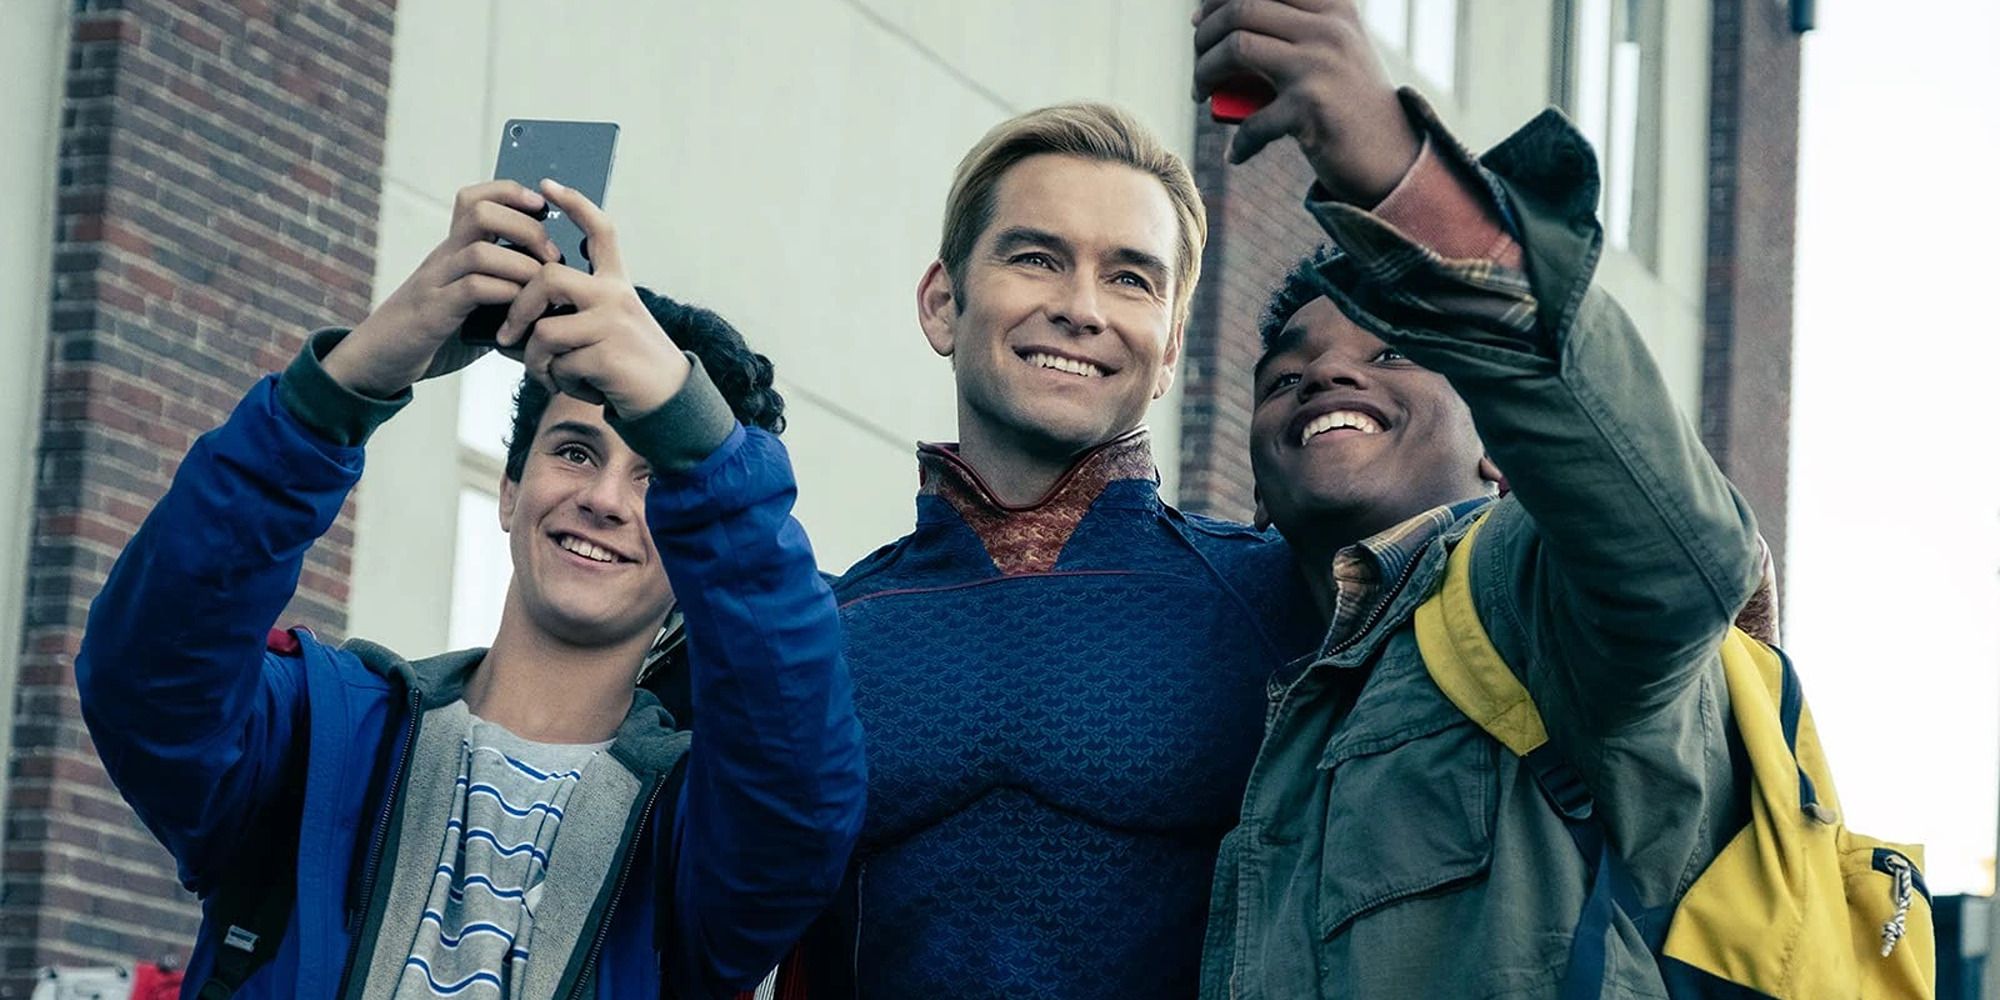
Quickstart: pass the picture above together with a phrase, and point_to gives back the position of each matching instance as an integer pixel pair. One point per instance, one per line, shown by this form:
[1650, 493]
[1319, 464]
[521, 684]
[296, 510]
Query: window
[1423, 31]
[1608, 78]
[481, 566]
[480, 571]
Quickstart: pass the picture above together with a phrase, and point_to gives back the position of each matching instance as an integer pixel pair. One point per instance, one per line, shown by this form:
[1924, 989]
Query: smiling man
[1062, 677]
[1389, 847]
[519, 821]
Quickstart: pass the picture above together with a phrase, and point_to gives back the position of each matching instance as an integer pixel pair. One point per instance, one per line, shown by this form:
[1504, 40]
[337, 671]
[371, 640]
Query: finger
[598, 230]
[526, 308]
[568, 368]
[1241, 54]
[554, 287]
[496, 260]
[512, 194]
[1264, 17]
[1275, 121]
[481, 290]
[536, 355]
[490, 220]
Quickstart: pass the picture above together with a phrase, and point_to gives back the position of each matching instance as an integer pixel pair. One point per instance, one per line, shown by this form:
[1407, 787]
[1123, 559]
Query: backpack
[1795, 907]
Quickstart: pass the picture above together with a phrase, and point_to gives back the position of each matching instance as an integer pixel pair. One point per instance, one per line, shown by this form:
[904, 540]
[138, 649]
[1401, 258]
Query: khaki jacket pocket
[1410, 812]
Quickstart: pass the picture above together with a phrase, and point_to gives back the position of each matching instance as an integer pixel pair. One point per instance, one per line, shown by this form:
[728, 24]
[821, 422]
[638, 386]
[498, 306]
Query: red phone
[1239, 99]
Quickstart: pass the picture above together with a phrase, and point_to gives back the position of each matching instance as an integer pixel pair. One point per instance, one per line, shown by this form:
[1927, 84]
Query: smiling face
[586, 573]
[1349, 437]
[1061, 327]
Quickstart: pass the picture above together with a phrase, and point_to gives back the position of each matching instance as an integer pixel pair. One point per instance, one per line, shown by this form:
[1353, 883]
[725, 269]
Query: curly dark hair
[1305, 282]
[743, 375]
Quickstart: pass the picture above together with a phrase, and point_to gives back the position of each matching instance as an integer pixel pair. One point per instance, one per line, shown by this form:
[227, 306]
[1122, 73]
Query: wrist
[1361, 163]
[346, 364]
[667, 374]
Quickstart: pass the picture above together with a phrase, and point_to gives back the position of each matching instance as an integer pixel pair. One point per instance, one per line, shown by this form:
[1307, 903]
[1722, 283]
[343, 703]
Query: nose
[1077, 308]
[607, 498]
[1331, 370]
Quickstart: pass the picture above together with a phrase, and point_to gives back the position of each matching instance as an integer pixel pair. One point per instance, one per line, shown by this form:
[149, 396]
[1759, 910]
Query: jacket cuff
[686, 429]
[1437, 206]
[324, 406]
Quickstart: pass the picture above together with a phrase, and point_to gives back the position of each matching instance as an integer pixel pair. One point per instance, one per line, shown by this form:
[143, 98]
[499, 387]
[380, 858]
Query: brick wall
[1753, 211]
[1258, 230]
[219, 169]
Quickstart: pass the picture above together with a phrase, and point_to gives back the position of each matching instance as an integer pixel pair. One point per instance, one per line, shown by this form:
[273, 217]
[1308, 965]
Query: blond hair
[1089, 131]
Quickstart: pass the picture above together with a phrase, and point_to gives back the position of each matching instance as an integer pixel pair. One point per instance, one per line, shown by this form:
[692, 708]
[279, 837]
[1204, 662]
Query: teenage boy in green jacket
[1388, 847]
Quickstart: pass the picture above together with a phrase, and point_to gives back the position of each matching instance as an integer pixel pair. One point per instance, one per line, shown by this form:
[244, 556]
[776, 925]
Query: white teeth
[1061, 364]
[587, 550]
[1338, 419]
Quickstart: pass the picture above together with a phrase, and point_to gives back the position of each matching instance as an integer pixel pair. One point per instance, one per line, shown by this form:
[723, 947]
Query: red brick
[197, 248]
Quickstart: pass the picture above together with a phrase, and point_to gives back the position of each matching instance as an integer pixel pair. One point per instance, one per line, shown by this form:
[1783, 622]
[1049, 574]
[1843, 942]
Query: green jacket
[1389, 848]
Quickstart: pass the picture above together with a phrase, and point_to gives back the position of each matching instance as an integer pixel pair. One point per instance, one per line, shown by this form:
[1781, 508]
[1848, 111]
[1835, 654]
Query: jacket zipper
[634, 845]
[371, 868]
[1367, 624]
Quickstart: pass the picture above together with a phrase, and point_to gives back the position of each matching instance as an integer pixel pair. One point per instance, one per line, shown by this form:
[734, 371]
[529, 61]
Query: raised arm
[1634, 553]
[775, 778]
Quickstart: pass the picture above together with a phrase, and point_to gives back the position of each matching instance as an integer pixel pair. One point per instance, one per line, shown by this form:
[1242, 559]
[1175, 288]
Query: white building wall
[32, 49]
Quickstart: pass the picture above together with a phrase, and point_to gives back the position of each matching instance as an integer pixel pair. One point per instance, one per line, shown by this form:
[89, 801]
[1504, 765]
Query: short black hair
[743, 375]
[1305, 282]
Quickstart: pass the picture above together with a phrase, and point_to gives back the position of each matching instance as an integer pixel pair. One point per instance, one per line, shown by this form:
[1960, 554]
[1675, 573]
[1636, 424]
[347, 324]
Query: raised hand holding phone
[577, 154]
[1328, 89]
[412, 335]
[608, 350]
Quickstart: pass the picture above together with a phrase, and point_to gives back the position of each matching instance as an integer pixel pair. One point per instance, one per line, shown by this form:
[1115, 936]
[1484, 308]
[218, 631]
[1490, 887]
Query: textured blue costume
[1062, 704]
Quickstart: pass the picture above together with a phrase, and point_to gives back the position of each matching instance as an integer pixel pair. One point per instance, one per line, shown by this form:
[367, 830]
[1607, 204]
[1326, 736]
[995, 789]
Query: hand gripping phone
[576, 155]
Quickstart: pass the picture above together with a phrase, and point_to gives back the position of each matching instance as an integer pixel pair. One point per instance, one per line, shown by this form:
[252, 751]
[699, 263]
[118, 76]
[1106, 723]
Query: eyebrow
[577, 428]
[1287, 339]
[1015, 237]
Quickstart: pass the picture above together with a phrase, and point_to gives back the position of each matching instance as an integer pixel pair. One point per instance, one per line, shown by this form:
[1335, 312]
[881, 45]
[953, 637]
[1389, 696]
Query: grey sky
[1893, 587]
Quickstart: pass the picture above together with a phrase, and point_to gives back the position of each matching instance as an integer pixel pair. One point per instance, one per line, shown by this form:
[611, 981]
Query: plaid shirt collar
[1361, 571]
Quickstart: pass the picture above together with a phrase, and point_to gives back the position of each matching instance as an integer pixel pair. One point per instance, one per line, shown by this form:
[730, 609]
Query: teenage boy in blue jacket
[416, 805]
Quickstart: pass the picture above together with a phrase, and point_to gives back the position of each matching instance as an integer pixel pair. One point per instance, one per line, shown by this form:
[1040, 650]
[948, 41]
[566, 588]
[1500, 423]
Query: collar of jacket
[1028, 538]
[646, 742]
[1417, 563]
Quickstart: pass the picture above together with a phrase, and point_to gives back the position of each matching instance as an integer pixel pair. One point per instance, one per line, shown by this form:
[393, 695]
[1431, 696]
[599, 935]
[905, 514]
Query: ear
[508, 488]
[1261, 518]
[1169, 362]
[1492, 474]
[937, 308]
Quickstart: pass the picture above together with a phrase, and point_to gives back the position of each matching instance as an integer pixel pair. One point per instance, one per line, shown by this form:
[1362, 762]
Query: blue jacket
[225, 747]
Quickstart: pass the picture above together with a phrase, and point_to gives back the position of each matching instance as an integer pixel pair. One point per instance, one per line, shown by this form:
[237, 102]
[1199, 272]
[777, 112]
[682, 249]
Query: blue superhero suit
[1062, 704]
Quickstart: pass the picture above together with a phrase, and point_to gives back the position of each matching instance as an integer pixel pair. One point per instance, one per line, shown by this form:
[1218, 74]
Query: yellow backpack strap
[1465, 666]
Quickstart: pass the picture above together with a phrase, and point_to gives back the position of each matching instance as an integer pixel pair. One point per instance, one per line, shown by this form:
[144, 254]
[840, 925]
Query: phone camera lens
[514, 132]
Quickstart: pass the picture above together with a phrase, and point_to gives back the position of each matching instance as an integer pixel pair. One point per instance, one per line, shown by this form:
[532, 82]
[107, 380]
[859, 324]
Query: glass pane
[1390, 21]
[1623, 155]
[481, 569]
[486, 403]
[1593, 70]
[1434, 50]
